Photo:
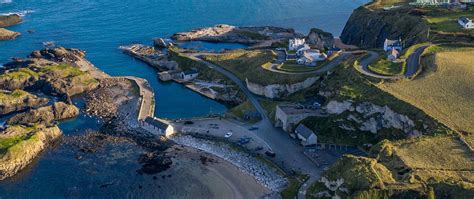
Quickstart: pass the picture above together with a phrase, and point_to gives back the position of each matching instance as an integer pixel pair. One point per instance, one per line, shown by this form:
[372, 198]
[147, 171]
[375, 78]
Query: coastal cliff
[279, 90]
[21, 145]
[368, 28]
[19, 100]
[9, 20]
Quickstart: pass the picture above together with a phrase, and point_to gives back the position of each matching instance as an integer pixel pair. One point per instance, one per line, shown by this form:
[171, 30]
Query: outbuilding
[306, 135]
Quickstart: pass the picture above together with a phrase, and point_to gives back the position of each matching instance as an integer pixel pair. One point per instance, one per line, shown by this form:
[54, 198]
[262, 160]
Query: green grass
[64, 70]
[249, 65]
[21, 74]
[15, 95]
[292, 66]
[239, 111]
[386, 67]
[444, 20]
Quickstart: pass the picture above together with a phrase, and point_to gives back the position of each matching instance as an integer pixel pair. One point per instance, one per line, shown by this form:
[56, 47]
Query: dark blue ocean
[99, 27]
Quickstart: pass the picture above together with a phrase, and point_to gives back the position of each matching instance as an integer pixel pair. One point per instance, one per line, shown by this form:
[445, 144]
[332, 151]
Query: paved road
[413, 61]
[289, 152]
[364, 67]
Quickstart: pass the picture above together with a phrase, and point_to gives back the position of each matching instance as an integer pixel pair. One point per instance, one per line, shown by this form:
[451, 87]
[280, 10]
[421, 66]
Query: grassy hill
[414, 168]
[445, 90]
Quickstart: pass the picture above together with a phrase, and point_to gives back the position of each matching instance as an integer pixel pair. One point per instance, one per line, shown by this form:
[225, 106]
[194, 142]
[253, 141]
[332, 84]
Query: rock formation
[18, 101]
[45, 115]
[320, 39]
[9, 20]
[233, 34]
[368, 28]
[31, 142]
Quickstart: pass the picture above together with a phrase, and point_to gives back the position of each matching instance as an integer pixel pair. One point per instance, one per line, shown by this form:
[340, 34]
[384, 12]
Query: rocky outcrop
[9, 20]
[7, 34]
[372, 118]
[279, 90]
[320, 39]
[45, 115]
[368, 28]
[16, 157]
[58, 71]
[19, 101]
[233, 34]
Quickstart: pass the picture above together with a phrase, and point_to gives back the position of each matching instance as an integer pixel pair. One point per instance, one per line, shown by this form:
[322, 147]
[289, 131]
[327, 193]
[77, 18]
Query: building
[311, 57]
[465, 23]
[156, 126]
[432, 2]
[306, 135]
[302, 49]
[392, 44]
[295, 44]
[288, 116]
[189, 75]
[393, 55]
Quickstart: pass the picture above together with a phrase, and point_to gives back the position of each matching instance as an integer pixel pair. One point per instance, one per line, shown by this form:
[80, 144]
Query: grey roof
[393, 42]
[156, 123]
[464, 19]
[304, 131]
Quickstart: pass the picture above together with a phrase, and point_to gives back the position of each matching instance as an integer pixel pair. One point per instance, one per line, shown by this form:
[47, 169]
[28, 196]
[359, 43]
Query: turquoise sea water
[99, 27]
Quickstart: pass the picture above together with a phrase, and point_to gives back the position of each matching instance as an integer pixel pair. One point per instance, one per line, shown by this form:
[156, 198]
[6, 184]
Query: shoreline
[262, 173]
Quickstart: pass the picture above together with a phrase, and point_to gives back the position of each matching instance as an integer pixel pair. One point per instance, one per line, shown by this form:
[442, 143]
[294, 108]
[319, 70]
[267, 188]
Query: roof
[464, 19]
[393, 42]
[304, 131]
[156, 123]
[190, 72]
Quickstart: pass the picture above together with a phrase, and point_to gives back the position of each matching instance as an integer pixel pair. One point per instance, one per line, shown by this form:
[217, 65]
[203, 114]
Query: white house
[466, 23]
[310, 57]
[157, 127]
[392, 44]
[189, 75]
[306, 135]
[295, 44]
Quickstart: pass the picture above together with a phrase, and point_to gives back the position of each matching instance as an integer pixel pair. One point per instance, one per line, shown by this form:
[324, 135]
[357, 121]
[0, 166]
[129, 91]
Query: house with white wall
[465, 23]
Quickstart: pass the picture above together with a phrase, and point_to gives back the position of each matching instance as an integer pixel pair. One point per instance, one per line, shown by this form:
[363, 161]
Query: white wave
[5, 1]
[20, 13]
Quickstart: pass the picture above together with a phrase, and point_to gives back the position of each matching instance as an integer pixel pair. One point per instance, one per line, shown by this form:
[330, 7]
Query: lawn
[386, 67]
[292, 66]
[444, 90]
[447, 20]
[249, 65]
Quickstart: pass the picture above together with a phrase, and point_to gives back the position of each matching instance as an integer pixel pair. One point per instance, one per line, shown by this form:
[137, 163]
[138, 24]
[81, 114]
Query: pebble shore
[262, 173]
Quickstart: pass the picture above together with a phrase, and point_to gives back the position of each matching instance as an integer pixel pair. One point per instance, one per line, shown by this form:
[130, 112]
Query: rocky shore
[264, 174]
[233, 34]
[6, 21]
[31, 142]
[18, 100]
[45, 115]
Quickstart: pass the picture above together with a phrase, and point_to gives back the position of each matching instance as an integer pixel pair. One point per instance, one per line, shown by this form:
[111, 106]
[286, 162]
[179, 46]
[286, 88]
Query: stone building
[288, 116]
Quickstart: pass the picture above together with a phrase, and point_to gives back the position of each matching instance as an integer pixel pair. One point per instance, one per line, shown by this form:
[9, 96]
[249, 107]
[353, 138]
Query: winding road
[412, 65]
[289, 152]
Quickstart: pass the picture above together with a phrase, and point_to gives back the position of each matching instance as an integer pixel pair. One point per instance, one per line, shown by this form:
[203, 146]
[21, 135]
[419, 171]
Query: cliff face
[280, 90]
[320, 39]
[369, 28]
[16, 157]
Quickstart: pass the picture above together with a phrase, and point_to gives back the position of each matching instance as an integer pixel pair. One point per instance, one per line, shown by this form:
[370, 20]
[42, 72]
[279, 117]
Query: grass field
[447, 20]
[386, 67]
[445, 89]
[249, 65]
[292, 66]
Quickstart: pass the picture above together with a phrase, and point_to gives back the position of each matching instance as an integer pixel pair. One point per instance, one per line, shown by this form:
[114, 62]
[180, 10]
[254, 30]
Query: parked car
[253, 128]
[270, 154]
[228, 134]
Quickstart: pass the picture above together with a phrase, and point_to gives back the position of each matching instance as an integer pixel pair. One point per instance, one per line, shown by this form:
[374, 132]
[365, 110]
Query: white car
[228, 134]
